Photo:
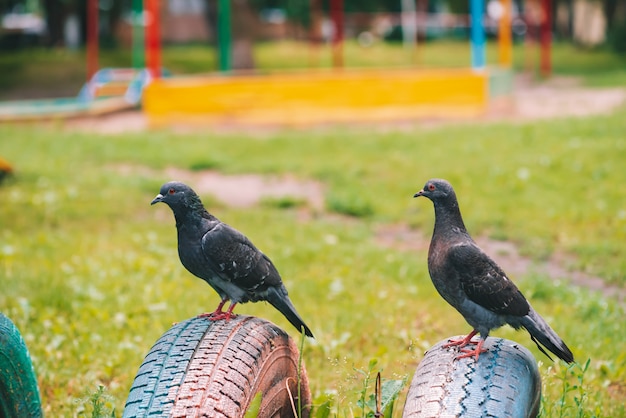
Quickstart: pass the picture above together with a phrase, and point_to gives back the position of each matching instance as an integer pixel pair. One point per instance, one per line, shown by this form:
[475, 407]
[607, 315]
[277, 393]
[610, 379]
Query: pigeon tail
[541, 332]
[280, 301]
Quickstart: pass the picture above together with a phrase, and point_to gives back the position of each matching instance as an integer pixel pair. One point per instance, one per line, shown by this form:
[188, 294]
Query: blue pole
[477, 8]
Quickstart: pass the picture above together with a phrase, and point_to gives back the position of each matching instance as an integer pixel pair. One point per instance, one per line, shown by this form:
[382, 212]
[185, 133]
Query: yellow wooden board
[317, 97]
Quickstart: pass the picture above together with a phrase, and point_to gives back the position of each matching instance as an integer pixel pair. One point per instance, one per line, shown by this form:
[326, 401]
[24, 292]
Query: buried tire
[19, 393]
[505, 382]
[216, 369]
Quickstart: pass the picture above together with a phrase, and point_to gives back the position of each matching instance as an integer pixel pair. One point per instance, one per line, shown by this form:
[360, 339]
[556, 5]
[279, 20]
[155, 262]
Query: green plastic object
[224, 35]
[19, 393]
[139, 42]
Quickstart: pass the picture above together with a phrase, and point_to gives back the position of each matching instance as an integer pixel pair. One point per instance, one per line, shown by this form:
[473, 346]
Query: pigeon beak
[420, 193]
[157, 199]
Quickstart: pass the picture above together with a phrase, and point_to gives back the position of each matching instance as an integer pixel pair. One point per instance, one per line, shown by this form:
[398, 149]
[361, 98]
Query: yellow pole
[505, 42]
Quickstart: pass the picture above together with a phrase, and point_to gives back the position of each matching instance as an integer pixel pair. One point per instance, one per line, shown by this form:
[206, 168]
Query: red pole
[92, 38]
[546, 38]
[336, 12]
[153, 38]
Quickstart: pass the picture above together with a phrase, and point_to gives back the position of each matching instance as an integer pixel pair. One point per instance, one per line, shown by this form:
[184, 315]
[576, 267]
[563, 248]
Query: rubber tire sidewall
[216, 368]
[19, 393]
[505, 382]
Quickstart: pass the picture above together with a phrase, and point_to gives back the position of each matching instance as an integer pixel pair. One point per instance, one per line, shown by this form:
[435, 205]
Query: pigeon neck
[448, 216]
[191, 213]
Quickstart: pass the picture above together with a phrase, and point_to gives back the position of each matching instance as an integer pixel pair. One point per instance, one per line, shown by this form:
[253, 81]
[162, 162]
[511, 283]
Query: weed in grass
[378, 401]
[383, 400]
[98, 404]
[255, 406]
[574, 395]
[367, 375]
[323, 406]
[389, 391]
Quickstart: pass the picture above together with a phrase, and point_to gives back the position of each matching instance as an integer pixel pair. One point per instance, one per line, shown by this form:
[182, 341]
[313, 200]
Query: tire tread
[505, 382]
[215, 369]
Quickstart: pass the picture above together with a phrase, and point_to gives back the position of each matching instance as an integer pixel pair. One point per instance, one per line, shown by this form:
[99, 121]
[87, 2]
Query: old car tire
[216, 368]
[505, 382]
[19, 393]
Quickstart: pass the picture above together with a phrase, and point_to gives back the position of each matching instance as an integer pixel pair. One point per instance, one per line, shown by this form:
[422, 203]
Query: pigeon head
[178, 196]
[437, 190]
[447, 212]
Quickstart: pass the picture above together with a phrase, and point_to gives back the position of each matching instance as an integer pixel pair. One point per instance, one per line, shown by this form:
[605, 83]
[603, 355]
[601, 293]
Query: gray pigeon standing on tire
[224, 257]
[470, 281]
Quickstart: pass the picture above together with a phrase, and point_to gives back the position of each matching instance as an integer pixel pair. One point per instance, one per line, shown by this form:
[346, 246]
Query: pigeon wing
[484, 282]
[235, 259]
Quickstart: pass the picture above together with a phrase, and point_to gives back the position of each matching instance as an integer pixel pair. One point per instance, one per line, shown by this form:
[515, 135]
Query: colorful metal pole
[408, 20]
[505, 41]
[546, 38]
[224, 35]
[422, 10]
[336, 12]
[138, 42]
[316, 36]
[153, 38]
[477, 8]
[92, 38]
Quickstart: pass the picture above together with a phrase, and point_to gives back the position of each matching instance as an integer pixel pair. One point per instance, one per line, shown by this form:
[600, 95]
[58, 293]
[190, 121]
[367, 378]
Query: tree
[55, 12]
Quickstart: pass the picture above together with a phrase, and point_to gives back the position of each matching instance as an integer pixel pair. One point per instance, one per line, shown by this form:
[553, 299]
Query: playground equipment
[150, 50]
[345, 95]
[108, 90]
[178, 101]
[323, 96]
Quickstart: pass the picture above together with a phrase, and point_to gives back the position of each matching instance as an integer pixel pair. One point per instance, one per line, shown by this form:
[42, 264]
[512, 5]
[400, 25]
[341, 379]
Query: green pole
[224, 35]
[138, 47]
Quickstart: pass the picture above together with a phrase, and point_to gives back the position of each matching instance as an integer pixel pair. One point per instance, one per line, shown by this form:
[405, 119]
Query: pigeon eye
[171, 191]
[431, 187]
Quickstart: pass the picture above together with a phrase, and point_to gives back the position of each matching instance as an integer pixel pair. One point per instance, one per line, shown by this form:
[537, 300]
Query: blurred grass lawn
[91, 276]
[43, 73]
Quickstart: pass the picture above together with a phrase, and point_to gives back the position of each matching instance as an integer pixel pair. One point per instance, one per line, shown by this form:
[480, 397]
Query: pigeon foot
[467, 352]
[463, 341]
[211, 314]
[219, 314]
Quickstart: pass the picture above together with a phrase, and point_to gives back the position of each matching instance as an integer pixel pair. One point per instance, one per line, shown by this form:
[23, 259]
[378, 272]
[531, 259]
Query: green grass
[91, 277]
[59, 72]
